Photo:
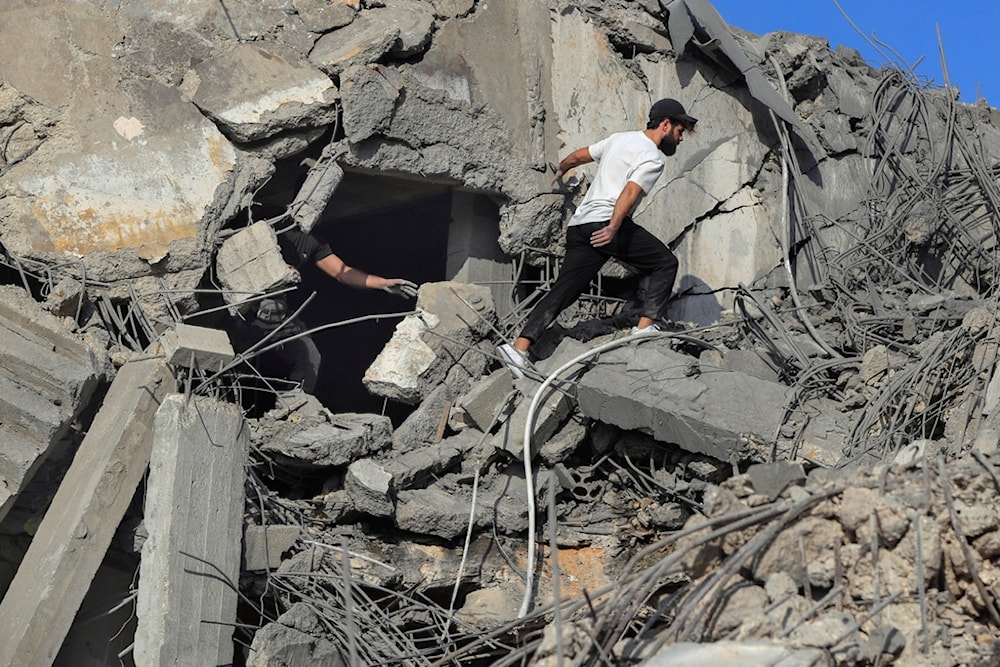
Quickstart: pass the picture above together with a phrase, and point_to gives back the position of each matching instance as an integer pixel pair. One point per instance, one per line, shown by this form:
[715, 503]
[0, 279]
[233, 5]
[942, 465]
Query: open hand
[602, 236]
[401, 287]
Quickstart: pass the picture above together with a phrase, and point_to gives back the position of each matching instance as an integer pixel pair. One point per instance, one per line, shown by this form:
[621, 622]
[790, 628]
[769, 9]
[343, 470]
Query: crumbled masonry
[801, 468]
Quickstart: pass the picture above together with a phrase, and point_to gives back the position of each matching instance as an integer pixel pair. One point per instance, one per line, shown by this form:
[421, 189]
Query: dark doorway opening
[391, 227]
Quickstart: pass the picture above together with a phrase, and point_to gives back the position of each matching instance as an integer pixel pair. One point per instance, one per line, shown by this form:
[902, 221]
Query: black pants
[632, 244]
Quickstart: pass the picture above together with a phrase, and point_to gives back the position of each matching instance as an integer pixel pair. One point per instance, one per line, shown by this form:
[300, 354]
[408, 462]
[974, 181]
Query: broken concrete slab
[250, 263]
[71, 541]
[452, 318]
[186, 605]
[369, 37]
[346, 438]
[47, 376]
[96, 185]
[320, 16]
[253, 94]
[651, 388]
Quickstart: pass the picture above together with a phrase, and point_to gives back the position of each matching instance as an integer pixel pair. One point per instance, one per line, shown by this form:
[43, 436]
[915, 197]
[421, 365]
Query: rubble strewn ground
[802, 469]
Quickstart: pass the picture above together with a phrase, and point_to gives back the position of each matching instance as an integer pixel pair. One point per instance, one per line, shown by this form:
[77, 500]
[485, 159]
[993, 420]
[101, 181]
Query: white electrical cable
[528, 428]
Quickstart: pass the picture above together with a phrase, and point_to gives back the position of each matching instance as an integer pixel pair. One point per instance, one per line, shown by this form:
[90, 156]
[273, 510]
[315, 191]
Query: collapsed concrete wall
[432, 98]
[836, 230]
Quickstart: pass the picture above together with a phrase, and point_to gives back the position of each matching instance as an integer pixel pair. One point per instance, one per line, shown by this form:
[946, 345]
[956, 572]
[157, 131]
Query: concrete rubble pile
[801, 470]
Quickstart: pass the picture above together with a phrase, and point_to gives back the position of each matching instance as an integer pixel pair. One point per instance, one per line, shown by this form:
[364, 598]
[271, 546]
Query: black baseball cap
[672, 109]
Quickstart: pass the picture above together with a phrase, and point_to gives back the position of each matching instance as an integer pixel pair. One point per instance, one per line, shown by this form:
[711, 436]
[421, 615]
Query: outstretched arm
[334, 266]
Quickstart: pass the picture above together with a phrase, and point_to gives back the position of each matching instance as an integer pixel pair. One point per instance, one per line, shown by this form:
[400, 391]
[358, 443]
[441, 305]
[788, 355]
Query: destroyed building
[802, 471]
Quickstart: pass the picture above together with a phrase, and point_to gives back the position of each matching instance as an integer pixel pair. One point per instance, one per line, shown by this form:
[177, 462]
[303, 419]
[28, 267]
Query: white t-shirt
[622, 157]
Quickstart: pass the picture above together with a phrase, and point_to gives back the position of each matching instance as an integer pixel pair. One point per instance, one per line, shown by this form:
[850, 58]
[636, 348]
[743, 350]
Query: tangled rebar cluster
[909, 279]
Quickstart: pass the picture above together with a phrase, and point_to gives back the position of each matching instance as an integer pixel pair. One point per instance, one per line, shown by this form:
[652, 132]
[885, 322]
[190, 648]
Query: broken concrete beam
[420, 465]
[434, 511]
[452, 317]
[76, 531]
[249, 263]
[186, 606]
[320, 184]
[189, 346]
[347, 438]
[703, 409]
[254, 94]
[264, 546]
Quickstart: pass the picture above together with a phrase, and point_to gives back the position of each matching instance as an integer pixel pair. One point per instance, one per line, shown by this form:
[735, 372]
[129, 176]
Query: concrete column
[71, 541]
[474, 256]
[194, 516]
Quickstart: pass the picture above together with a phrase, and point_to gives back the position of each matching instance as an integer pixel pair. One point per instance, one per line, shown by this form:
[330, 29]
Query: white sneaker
[651, 330]
[515, 360]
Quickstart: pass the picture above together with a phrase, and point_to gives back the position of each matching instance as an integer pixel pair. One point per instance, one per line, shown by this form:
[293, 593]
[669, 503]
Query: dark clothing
[295, 360]
[299, 248]
[633, 245]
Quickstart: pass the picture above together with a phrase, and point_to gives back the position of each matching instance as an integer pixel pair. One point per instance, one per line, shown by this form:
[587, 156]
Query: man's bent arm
[623, 206]
[574, 159]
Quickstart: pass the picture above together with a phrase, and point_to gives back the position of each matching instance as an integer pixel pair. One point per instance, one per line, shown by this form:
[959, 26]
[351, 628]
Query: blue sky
[969, 32]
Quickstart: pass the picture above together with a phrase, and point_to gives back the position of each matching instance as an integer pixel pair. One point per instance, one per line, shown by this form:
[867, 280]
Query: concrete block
[263, 546]
[249, 263]
[194, 515]
[561, 446]
[209, 349]
[296, 639]
[433, 511]
[75, 533]
[552, 410]
[370, 488]
[479, 405]
[421, 464]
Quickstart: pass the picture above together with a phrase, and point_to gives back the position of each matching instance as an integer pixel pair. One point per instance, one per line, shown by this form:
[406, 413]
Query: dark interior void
[395, 228]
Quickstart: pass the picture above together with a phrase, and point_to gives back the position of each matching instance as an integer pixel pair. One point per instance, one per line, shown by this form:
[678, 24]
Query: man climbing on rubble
[298, 359]
[629, 164]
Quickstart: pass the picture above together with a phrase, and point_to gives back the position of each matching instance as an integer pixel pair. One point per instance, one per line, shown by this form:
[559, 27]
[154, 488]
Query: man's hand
[400, 287]
[603, 236]
[560, 181]
[558, 178]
